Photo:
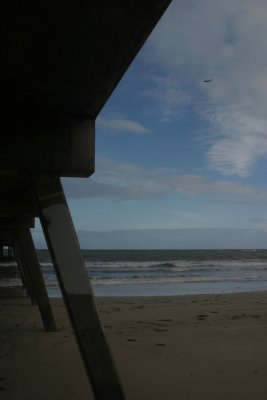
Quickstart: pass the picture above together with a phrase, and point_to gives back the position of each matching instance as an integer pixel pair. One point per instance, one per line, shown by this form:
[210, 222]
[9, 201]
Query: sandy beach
[182, 347]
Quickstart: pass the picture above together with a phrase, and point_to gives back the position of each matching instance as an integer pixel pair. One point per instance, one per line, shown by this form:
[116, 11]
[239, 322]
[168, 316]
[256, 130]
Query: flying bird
[207, 80]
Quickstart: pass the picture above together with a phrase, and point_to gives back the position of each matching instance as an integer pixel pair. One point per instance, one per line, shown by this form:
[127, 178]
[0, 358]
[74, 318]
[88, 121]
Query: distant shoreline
[16, 292]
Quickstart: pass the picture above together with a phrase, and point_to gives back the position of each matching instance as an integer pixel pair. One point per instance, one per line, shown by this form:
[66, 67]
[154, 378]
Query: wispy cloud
[167, 94]
[223, 41]
[120, 124]
[128, 181]
[243, 140]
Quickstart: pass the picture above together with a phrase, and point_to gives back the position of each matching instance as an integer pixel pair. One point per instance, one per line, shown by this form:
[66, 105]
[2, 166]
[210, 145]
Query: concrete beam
[16, 199]
[63, 146]
[60, 63]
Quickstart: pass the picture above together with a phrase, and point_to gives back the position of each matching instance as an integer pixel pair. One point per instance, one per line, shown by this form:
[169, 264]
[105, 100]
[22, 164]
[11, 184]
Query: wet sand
[188, 347]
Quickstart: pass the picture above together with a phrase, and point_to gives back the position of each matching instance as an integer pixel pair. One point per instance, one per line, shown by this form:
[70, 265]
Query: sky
[176, 153]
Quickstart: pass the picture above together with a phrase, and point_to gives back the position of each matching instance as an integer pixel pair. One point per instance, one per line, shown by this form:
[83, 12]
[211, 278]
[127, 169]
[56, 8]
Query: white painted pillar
[76, 290]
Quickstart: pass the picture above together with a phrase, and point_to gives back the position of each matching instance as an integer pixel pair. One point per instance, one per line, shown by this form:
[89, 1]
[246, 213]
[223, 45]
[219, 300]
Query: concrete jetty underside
[60, 63]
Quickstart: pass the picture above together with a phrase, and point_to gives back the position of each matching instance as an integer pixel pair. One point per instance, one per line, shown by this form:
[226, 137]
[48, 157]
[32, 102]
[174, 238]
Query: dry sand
[189, 347]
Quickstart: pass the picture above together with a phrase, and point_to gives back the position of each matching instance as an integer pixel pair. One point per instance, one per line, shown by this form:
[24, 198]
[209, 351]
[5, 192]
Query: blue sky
[174, 152]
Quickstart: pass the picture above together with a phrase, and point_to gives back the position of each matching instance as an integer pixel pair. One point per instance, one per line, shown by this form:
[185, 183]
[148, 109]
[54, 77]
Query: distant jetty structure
[6, 252]
[60, 63]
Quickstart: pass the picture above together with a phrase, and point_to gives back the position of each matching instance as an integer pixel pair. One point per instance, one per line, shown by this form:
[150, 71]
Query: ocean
[159, 272]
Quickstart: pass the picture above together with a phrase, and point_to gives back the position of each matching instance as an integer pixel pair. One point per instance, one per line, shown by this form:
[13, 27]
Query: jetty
[60, 63]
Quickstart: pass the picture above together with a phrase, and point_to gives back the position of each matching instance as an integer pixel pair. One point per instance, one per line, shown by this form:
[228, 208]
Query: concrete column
[28, 258]
[1, 252]
[9, 252]
[76, 290]
[7, 234]
[25, 276]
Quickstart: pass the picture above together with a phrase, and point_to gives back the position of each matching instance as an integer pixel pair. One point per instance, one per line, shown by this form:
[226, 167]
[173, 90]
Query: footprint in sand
[202, 317]
[165, 320]
[2, 386]
[5, 346]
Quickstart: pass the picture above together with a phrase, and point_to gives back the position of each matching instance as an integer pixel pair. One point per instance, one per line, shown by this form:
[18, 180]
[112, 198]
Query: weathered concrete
[16, 199]
[60, 63]
[63, 146]
[27, 255]
[7, 238]
[76, 290]
[25, 275]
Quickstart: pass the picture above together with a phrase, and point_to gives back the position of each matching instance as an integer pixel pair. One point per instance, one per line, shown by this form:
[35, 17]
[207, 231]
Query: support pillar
[7, 233]
[9, 252]
[75, 287]
[25, 276]
[27, 255]
[1, 252]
